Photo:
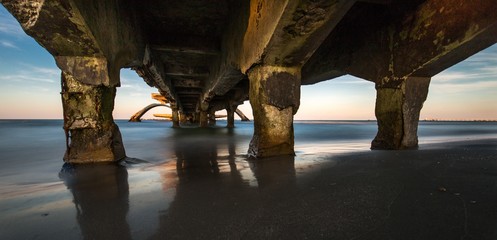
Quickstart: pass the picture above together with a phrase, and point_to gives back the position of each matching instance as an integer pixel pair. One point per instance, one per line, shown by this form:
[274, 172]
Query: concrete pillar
[183, 118]
[204, 114]
[230, 110]
[92, 135]
[196, 118]
[203, 119]
[275, 98]
[175, 117]
[397, 111]
[212, 118]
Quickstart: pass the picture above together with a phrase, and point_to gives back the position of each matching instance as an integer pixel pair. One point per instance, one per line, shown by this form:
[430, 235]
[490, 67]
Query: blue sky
[30, 87]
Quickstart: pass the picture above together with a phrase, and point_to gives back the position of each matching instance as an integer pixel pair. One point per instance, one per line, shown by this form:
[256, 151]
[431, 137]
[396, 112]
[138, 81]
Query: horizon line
[370, 120]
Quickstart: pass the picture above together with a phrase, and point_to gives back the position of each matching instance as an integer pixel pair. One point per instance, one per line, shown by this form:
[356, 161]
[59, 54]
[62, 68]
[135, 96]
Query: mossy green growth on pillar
[275, 98]
[92, 135]
[397, 110]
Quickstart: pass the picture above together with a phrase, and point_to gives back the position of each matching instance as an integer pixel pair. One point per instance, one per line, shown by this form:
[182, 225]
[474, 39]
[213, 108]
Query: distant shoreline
[300, 120]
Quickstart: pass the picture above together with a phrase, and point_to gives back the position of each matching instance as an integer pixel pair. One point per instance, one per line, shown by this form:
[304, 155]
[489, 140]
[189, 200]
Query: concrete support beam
[188, 75]
[183, 118]
[74, 28]
[230, 118]
[91, 134]
[159, 97]
[137, 116]
[396, 45]
[277, 33]
[203, 119]
[280, 37]
[90, 57]
[286, 33]
[241, 115]
[441, 33]
[385, 2]
[201, 49]
[175, 116]
[212, 118]
[154, 75]
[397, 111]
[64, 35]
[420, 41]
[188, 83]
[225, 71]
[275, 98]
[230, 111]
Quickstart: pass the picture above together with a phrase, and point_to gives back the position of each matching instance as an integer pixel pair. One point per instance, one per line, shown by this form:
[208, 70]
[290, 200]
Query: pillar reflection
[101, 197]
[275, 171]
[214, 196]
[195, 152]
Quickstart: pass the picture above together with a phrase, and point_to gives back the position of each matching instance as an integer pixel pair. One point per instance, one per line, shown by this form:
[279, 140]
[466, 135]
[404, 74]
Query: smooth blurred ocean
[32, 150]
[197, 167]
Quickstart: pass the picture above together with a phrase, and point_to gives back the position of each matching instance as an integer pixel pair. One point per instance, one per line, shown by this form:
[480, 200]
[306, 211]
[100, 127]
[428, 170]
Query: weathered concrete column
[230, 111]
[183, 118]
[275, 98]
[92, 135]
[212, 118]
[397, 110]
[175, 116]
[196, 118]
[203, 119]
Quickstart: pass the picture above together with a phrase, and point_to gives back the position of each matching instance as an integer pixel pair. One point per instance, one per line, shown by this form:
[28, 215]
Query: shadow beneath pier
[218, 192]
[101, 197]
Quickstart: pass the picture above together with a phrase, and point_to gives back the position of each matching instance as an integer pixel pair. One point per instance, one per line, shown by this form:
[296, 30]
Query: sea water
[30, 150]
[39, 195]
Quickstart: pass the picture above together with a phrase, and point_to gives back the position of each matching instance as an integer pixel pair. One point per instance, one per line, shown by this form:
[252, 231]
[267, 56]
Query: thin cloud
[478, 86]
[135, 94]
[55, 72]
[476, 74]
[490, 70]
[453, 76]
[127, 86]
[31, 73]
[133, 83]
[25, 78]
[8, 44]
[489, 55]
[487, 73]
[9, 26]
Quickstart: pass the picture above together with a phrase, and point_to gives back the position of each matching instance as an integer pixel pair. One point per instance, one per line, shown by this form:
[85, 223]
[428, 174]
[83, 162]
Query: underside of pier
[204, 56]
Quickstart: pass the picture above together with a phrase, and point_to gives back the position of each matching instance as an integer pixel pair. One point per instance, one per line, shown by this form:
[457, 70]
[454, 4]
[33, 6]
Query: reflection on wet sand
[207, 189]
[215, 196]
[101, 196]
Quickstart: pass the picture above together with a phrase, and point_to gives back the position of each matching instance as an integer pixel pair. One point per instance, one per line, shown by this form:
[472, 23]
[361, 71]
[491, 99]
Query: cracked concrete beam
[153, 74]
[419, 42]
[188, 83]
[225, 71]
[116, 28]
[287, 33]
[83, 28]
[278, 33]
[201, 49]
[436, 37]
[56, 25]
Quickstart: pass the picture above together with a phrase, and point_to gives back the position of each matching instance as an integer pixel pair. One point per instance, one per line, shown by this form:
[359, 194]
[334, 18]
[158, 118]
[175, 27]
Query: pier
[204, 56]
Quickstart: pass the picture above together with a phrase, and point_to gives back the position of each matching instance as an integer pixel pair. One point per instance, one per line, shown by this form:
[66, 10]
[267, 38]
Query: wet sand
[441, 191]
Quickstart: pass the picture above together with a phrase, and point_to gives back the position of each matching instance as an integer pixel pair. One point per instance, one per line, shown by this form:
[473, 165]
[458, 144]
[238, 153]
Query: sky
[30, 87]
